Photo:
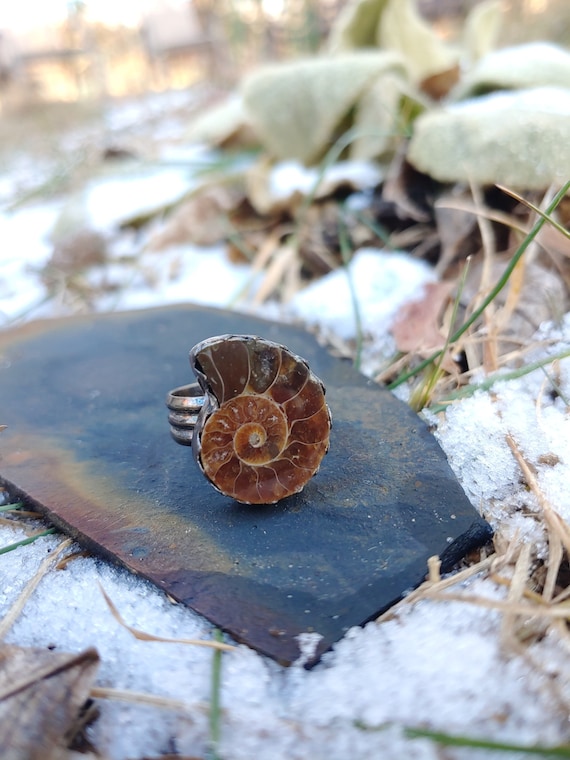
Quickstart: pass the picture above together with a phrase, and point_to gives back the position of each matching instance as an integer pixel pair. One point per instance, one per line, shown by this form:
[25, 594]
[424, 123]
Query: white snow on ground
[434, 664]
[381, 282]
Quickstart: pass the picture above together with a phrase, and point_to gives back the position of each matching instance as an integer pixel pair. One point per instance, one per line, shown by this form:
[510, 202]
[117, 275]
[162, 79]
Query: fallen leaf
[202, 219]
[457, 228]
[417, 328]
[41, 693]
[76, 252]
[437, 86]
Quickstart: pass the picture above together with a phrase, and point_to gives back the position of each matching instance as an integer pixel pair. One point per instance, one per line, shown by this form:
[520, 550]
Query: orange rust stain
[100, 508]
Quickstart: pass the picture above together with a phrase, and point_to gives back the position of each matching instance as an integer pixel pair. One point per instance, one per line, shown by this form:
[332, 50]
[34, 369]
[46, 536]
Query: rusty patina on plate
[88, 443]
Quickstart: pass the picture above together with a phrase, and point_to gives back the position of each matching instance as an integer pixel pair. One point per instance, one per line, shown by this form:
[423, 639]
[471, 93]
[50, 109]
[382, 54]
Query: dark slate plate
[88, 444]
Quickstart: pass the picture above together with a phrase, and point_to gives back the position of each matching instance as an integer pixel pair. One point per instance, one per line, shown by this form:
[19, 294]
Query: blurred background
[98, 100]
[56, 51]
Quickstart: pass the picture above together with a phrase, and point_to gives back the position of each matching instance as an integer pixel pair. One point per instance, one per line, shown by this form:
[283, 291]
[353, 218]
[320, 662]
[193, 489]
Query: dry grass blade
[143, 636]
[546, 611]
[521, 601]
[137, 697]
[559, 528]
[536, 210]
[516, 592]
[283, 260]
[498, 287]
[438, 586]
[493, 215]
[14, 612]
[434, 567]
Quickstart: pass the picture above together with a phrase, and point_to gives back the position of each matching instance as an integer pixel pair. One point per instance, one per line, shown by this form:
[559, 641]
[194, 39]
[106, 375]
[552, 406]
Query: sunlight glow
[273, 8]
[31, 14]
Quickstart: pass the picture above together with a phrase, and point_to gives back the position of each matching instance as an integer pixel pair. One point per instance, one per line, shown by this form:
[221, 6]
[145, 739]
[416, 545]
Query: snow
[381, 282]
[435, 664]
[112, 200]
[289, 177]
[549, 100]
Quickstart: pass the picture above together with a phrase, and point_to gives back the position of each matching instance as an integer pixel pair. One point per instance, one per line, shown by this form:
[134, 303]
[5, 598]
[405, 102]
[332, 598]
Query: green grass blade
[215, 701]
[25, 541]
[465, 741]
[420, 398]
[487, 384]
[346, 253]
[494, 292]
[12, 507]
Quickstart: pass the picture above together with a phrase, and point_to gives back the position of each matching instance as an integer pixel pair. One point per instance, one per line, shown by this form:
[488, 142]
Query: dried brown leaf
[41, 693]
[407, 188]
[456, 228]
[319, 245]
[417, 328]
[203, 219]
[438, 85]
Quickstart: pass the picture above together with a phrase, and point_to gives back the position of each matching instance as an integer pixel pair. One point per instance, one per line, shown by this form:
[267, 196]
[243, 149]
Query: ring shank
[184, 404]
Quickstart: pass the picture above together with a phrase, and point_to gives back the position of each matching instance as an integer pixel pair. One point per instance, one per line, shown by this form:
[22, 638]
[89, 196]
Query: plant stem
[215, 702]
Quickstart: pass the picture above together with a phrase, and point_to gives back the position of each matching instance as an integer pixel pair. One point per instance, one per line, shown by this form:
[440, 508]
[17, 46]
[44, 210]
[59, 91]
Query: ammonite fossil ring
[256, 419]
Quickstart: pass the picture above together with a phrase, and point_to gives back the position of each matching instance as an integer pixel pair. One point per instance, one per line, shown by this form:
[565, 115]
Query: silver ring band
[184, 404]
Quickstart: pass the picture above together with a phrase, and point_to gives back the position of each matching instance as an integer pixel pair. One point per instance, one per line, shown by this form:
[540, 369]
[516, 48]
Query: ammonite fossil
[263, 425]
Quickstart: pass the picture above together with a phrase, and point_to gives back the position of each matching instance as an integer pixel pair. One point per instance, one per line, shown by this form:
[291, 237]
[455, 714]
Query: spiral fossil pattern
[267, 428]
